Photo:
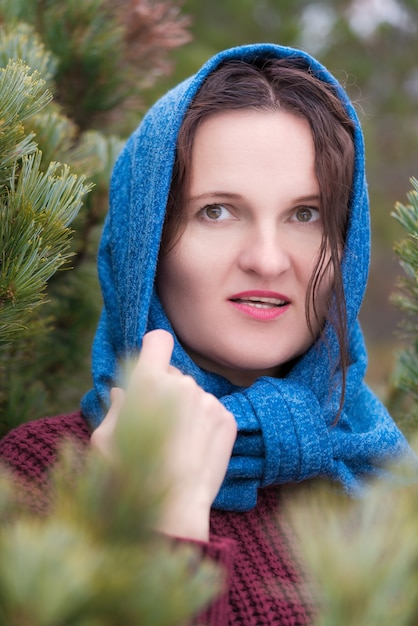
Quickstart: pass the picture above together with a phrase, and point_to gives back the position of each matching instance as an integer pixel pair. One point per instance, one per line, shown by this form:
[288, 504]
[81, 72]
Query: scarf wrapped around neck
[286, 429]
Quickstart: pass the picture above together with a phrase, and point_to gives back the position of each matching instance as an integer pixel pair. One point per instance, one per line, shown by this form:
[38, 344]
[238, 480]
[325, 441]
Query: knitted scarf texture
[286, 429]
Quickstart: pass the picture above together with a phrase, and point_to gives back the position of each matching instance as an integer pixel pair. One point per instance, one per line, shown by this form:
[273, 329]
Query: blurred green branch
[404, 397]
[95, 559]
[362, 555]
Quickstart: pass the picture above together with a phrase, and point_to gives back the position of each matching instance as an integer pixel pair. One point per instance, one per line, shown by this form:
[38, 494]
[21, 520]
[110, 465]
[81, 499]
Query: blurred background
[112, 59]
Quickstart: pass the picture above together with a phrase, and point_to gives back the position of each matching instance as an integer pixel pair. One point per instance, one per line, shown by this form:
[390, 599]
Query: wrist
[186, 518]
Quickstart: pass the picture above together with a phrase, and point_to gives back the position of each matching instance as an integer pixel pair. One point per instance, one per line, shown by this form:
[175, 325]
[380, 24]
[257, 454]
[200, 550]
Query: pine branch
[407, 252]
[362, 555]
[22, 94]
[20, 41]
[34, 236]
[105, 53]
[95, 558]
[96, 57]
[406, 372]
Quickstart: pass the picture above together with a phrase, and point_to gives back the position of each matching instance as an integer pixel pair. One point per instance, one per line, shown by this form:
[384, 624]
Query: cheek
[178, 277]
[169, 276]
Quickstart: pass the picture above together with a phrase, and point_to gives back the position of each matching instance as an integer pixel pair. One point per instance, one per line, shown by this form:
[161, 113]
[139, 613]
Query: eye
[214, 212]
[306, 214]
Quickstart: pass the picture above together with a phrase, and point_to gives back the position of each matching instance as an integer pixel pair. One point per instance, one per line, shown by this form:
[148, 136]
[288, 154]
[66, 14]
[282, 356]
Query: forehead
[236, 147]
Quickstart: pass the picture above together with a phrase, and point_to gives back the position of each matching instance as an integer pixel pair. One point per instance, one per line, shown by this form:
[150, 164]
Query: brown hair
[283, 85]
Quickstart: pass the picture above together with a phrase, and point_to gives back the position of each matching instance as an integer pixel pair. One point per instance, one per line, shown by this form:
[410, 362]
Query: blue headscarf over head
[285, 425]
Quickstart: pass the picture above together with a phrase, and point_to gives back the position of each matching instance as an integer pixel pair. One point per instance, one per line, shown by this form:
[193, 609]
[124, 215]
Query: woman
[235, 253]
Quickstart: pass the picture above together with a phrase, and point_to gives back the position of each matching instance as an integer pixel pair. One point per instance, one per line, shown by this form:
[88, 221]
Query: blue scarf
[285, 426]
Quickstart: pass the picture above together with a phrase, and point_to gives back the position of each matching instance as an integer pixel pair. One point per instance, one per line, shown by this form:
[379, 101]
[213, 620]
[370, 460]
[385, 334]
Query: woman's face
[234, 285]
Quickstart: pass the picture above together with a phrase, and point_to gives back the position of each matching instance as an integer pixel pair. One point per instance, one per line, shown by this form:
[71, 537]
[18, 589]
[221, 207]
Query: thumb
[157, 348]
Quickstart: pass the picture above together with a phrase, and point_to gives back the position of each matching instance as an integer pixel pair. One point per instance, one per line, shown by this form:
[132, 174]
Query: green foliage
[35, 236]
[362, 554]
[106, 52]
[21, 42]
[407, 251]
[96, 57]
[36, 208]
[22, 95]
[404, 398]
[95, 558]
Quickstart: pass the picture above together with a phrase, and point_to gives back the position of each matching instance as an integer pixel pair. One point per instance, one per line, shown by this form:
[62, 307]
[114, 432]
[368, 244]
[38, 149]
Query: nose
[264, 252]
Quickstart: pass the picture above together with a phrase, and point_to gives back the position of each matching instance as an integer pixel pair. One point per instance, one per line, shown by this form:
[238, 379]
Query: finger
[174, 370]
[102, 435]
[157, 348]
[117, 397]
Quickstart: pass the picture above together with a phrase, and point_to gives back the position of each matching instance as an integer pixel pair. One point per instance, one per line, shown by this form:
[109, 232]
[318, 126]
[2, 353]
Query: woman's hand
[201, 438]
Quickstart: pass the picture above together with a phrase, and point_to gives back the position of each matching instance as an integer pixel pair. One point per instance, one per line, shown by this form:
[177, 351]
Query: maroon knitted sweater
[265, 585]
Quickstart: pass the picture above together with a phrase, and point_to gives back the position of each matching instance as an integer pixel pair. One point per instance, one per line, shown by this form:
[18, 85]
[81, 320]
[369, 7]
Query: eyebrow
[310, 198]
[236, 196]
[215, 194]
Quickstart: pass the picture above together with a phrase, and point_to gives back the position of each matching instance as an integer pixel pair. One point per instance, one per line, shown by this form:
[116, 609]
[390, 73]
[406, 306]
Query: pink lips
[260, 305]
